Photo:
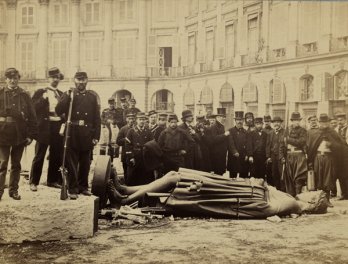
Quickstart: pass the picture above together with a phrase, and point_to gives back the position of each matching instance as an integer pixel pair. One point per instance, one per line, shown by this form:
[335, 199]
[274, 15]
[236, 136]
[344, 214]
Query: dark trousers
[238, 165]
[258, 168]
[277, 169]
[172, 162]
[78, 164]
[55, 157]
[138, 174]
[124, 165]
[15, 152]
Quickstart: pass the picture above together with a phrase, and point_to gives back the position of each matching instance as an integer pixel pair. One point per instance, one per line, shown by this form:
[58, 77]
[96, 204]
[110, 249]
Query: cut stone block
[42, 216]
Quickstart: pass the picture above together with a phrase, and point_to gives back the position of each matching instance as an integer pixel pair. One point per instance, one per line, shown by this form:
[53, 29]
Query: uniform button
[77, 112]
[85, 113]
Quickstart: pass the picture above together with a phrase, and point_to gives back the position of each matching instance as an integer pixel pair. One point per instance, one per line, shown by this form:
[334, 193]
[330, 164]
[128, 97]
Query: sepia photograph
[174, 131]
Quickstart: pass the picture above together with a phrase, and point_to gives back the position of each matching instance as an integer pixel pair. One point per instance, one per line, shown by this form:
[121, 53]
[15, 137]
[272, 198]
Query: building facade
[259, 56]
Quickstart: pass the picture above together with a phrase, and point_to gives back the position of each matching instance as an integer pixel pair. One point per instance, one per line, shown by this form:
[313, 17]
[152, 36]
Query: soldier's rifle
[63, 169]
[285, 135]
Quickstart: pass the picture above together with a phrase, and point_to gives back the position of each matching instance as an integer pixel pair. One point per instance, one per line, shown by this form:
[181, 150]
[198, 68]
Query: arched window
[249, 92]
[206, 96]
[341, 85]
[226, 93]
[277, 91]
[189, 99]
[162, 100]
[307, 87]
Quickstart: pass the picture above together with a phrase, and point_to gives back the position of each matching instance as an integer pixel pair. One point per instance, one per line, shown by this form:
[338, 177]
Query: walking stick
[63, 169]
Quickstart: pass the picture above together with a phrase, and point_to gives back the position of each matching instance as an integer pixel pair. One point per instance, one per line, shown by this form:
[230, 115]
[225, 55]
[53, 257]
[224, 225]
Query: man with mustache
[49, 123]
[84, 133]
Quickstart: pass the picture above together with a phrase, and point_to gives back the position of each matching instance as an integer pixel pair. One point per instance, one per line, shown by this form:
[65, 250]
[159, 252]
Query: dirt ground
[306, 239]
[309, 239]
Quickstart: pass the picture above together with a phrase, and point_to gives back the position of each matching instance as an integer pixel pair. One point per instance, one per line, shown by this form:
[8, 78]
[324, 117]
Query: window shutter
[151, 54]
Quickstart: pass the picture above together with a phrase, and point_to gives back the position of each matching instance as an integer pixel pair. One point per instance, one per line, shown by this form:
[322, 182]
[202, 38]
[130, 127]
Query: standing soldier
[256, 149]
[218, 142]
[18, 127]
[322, 144]
[172, 142]
[134, 145]
[49, 123]
[237, 148]
[85, 133]
[341, 160]
[132, 109]
[272, 153]
[121, 113]
[121, 137]
[187, 119]
[293, 153]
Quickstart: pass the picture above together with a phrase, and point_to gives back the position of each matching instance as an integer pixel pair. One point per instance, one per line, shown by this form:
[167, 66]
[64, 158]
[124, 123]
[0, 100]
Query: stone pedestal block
[42, 216]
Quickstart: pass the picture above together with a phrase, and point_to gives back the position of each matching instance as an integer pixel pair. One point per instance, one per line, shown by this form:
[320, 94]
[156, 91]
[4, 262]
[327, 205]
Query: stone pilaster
[107, 44]
[142, 33]
[42, 40]
[75, 37]
[11, 37]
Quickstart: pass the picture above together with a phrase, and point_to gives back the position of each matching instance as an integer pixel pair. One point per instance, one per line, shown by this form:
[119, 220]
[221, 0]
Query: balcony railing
[163, 106]
[207, 67]
[277, 55]
[188, 70]
[166, 71]
[308, 49]
[123, 73]
[27, 75]
[338, 44]
[227, 63]
[251, 58]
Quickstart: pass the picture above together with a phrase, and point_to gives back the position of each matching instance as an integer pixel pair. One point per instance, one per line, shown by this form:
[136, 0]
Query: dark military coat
[135, 141]
[121, 138]
[218, 148]
[16, 104]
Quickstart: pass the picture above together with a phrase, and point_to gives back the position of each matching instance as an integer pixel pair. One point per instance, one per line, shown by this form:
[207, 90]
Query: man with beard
[153, 126]
[121, 113]
[267, 120]
[211, 119]
[293, 153]
[135, 140]
[49, 123]
[172, 142]
[237, 147]
[132, 109]
[256, 150]
[313, 123]
[18, 127]
[272, 153]
[84, 133]
[121, 137]
[322, 144]
[249, 121]
[218, 143]
[192, 148]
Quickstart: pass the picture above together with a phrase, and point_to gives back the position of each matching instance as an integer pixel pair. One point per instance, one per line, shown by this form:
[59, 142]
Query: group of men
[153, 144]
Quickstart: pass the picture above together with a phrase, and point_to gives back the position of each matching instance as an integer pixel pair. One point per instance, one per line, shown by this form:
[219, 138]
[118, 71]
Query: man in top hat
[49, 124]
[218, 142]
[121, 137]
[173, 142]
[237, 148]
[135, 140]
[272, 153]
[84, 133]
[211, 118]
[323, 145]
[132, 109]
[342, 160]
[256, 149]
[293, 154]
[18, 127]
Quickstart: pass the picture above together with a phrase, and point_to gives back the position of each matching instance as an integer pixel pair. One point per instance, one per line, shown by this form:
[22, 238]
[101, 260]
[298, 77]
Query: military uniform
[17, 123]
[121, 137]
[341, 162]
[85, 128]
[109, 124]
[131, 110]
[134, 146]
[237, 143]
[156, 131]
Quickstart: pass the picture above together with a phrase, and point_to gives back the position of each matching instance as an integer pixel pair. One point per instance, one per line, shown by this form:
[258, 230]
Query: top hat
[267, 118]
[239, 115]
[277, 119]
[152, 112]
[81, 75]
[249, 114]
[172, 117]
[132, 100]
[221, 112]
[186, 113]
[312, 117]
[141, 115]
[340, 114]
[324, 118]
[55, 72]
[111, 100]
[258, 120]
[295, 116]
[12, 72]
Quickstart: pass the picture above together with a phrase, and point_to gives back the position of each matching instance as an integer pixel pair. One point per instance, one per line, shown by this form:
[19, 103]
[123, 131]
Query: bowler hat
[295, 116]
[238, 115]
[141, 115]
[258, 120]
[55, 72]
[80, 75]
[186, 113]
[152, 112]
[277, 119]
[324, 118]
[221, 112]
[340, 114]
[267, 118]
[12, 72]
[172, 117]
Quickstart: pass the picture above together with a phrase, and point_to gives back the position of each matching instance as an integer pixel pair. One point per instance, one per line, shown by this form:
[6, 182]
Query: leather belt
[54, 118]
[7, 119]
[80, 123]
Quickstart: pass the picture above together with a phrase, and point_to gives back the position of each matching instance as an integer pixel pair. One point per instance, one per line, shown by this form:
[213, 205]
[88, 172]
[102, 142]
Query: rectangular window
[60, 14]
[2, 15]
[92, 13]
[92, 50]
[209, 46]
[27, 56]
[60, 54]
[229, 41]
[191, 49]
[27, 15]
[126, 10]
[253, 34]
